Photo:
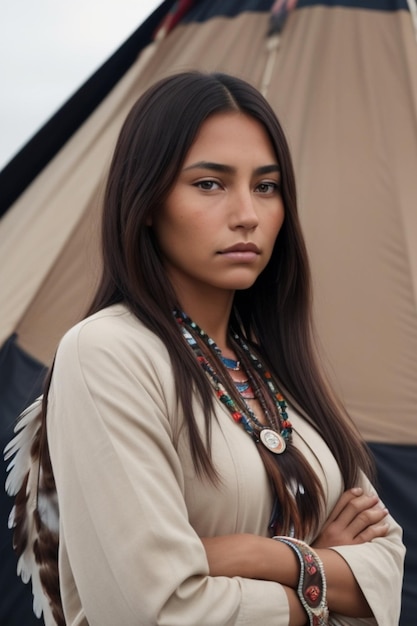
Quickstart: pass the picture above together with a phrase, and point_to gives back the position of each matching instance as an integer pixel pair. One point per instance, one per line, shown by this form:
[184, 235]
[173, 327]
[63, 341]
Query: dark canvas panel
[397, 475]
[218, 8]
[369, 5]
[21, 380]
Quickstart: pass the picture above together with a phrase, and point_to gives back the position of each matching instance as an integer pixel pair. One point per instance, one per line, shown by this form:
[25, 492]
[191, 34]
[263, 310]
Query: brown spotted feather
[35, 516]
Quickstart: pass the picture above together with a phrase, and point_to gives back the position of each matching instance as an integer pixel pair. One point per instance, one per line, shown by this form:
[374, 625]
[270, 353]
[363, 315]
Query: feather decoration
[34, 517]
[18, 449]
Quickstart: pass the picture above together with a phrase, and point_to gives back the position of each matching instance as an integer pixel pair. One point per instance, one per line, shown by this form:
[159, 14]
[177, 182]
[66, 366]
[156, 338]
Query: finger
[344, 499]
[366, 519]
[355, 507]
[367, 526]
[372, 532]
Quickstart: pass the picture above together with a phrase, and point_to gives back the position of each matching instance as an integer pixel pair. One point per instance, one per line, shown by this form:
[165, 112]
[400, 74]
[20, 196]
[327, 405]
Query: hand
[356, 518]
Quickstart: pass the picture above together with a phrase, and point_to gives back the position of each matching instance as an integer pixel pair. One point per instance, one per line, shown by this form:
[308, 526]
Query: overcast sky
[48, 48]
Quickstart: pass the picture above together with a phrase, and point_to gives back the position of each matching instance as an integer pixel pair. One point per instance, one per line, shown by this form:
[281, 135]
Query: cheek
[275, 223]
[177, 238]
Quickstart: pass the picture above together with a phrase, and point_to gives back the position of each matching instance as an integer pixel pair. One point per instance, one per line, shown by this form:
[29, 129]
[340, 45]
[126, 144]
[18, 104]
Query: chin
[238, 281]
[240, 285]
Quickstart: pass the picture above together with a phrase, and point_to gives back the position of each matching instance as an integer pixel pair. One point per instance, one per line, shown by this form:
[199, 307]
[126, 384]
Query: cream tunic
[132, 508]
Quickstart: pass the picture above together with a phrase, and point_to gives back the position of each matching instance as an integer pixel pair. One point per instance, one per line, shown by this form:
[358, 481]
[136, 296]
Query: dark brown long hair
[275, 313]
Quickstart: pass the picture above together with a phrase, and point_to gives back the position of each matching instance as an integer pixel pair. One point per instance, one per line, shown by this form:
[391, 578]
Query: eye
[267, 187]
[207, 185]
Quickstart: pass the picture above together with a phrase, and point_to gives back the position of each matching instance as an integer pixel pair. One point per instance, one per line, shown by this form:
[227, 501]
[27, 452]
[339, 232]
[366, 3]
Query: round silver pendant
[272, 440]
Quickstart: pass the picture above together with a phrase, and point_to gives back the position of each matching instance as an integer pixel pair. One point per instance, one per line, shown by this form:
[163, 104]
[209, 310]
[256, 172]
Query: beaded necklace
[274, 437]
[231, 364]
[243, 386]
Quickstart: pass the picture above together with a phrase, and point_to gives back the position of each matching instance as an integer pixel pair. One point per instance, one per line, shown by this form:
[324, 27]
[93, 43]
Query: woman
[177, 454]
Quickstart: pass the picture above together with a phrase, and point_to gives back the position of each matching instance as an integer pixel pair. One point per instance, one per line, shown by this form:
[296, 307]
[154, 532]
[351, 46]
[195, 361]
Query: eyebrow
[229, 169]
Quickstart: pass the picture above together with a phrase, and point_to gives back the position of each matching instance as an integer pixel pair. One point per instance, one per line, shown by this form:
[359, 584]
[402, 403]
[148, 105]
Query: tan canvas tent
[342, 77]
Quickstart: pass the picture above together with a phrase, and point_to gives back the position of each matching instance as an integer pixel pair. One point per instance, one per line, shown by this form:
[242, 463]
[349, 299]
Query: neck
[212, 315]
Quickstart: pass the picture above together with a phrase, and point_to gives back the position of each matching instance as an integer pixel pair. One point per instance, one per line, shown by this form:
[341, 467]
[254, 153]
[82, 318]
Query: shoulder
[111, 328]
[112, 363]
[113, 334]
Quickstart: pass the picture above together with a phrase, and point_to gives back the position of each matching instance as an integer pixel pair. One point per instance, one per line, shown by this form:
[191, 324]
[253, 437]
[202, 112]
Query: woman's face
[220, 221]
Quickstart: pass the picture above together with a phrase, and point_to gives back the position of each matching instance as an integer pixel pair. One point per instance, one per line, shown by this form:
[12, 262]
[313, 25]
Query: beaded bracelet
[312, 588]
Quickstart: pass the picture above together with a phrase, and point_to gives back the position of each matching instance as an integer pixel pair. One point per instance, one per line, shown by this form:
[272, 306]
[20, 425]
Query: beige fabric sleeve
[128, 554]
[378, 569]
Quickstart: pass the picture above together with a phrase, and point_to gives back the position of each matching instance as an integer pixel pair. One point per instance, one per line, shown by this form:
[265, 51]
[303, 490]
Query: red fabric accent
[172, 18]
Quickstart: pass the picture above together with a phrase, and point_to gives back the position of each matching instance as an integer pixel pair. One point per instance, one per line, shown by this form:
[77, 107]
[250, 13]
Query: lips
[241, 247]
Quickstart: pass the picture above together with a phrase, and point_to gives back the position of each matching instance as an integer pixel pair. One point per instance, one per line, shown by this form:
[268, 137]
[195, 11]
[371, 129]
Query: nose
[243, 213]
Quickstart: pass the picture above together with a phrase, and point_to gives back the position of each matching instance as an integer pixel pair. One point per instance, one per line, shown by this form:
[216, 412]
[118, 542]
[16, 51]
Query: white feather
[18, 449]
[22, 464]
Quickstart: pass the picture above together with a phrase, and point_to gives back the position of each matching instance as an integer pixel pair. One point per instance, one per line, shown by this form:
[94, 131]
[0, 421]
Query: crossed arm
[357, 518]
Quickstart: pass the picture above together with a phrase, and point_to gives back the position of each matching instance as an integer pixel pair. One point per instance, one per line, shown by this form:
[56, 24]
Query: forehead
[232, 136]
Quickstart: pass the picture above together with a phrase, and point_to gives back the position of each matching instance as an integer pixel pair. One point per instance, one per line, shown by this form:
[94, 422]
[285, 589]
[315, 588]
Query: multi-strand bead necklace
[243, 387]
[277, 434]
